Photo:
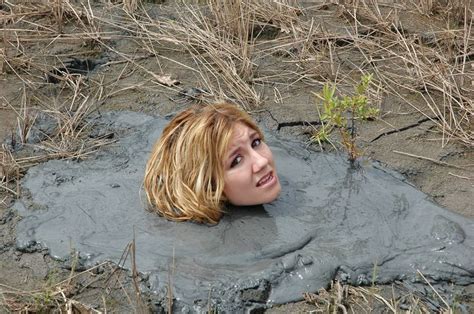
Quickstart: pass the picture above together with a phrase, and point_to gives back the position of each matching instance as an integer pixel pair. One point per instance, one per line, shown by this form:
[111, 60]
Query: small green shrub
[342, 112]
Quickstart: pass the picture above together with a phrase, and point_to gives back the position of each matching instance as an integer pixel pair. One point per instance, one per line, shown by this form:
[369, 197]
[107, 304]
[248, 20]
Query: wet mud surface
[331, 221]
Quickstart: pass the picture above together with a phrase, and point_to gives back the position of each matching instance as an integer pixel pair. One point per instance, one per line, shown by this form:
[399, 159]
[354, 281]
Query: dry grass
[52, 297]
[221, 38]
[32, 29]
[68, 107]
[223, 57]
[29, 34]
[62, 295]
[9, 173]
[342, 298]
[433, 65]
[454, 10]
[69, 140]
[227, 44]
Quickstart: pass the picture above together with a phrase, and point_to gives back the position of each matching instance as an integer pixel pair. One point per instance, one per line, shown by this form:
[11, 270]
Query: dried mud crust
[451, 185]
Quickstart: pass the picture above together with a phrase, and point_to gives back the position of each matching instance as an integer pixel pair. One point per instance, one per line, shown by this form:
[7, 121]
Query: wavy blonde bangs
[184, 177]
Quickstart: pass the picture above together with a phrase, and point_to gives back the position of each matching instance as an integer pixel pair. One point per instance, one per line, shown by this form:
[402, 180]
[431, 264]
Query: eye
[236, 161]
[256, 142]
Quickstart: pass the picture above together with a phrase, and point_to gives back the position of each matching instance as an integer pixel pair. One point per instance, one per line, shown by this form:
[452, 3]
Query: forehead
[241, 131]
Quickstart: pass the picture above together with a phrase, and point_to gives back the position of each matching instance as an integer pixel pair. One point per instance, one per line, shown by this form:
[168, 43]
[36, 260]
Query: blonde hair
[184, 178]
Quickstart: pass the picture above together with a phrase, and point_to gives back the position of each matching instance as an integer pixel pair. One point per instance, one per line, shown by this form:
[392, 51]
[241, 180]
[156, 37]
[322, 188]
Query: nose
[259, 162]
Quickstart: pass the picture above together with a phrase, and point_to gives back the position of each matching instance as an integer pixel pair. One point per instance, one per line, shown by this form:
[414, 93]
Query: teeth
[265, 180]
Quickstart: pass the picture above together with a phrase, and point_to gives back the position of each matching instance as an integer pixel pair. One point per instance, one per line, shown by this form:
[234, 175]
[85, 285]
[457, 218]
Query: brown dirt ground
[451, 187]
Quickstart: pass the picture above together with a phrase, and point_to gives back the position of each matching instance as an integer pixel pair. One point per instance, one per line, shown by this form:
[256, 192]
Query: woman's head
[203, 159]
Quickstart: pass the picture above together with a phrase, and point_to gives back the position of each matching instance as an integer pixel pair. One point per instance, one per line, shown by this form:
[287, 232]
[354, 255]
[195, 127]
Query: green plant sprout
[375, 271]
[341, 112]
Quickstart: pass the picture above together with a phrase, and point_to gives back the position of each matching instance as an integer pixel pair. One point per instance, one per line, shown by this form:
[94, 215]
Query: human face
[250, 176]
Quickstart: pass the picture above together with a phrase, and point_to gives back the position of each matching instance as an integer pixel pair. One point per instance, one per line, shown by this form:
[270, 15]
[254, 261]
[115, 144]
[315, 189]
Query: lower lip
[270, 182]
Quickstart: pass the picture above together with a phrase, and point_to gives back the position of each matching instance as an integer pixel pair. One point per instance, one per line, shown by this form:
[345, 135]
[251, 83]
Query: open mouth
[267, 179]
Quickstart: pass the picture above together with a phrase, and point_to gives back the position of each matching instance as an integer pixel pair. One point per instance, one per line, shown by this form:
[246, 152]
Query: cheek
[231, 190]
[236, 181]
[229, 185]
[233, 180]
[268, 154]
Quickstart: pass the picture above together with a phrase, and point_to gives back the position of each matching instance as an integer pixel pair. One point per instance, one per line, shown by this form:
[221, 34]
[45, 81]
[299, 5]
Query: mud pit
[330, 221]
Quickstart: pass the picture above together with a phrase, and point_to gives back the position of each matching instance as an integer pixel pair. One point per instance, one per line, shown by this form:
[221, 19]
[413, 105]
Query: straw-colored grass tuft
[397, 298]
[431, 66]
[64, 295]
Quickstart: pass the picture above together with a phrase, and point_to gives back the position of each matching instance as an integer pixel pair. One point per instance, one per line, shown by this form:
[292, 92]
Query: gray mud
[330, 221]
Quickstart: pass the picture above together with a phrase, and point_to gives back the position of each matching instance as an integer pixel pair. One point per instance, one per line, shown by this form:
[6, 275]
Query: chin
[277, 193]
[269, 197]
[273, 196]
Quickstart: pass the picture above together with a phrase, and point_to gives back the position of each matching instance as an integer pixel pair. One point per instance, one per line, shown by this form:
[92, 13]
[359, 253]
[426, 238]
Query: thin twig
[458, 176]
[441, 163]
[434, 290]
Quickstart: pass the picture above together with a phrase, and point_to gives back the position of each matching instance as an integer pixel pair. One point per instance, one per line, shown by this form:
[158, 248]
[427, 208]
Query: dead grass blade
[438, 162]
[435, 291]
[9, 173]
